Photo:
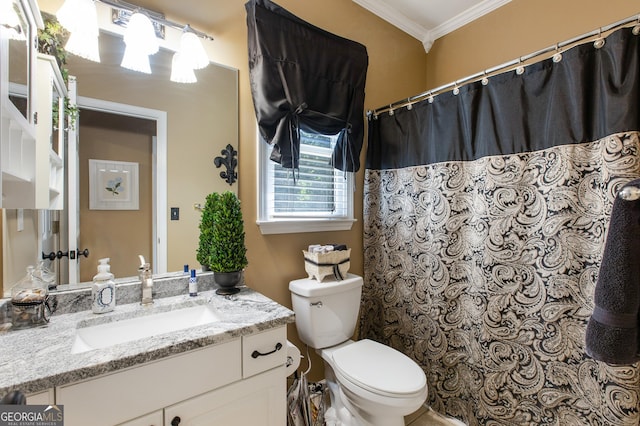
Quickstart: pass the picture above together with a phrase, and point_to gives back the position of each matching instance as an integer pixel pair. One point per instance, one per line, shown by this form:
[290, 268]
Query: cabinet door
[127, 394]
[151, 419]
[41, 398]
[260, 400]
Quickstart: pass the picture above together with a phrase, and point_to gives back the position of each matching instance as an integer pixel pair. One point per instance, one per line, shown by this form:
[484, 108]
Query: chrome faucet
[146, 281]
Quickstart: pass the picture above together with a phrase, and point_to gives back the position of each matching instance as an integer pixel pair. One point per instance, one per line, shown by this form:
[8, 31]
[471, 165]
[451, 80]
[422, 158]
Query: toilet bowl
[370, 384]
[377, 384]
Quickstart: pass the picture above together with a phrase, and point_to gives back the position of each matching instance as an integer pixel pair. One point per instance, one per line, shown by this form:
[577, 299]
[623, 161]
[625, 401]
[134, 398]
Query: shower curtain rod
[516, 64]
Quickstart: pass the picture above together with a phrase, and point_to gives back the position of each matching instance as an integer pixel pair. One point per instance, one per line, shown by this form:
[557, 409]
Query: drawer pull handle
[256, 354]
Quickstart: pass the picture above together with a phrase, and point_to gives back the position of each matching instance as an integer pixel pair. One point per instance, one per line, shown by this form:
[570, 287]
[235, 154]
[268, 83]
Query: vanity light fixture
[140, 39]
[80, 18]
[189, 57]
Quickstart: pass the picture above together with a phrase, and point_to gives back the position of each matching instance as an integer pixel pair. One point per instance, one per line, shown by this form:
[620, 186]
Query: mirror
[202, 119]
[18, 32]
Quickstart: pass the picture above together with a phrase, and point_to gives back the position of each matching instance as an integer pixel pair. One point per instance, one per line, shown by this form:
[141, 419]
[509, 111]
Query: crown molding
[469, 15]
[427, 36]
[383, 10]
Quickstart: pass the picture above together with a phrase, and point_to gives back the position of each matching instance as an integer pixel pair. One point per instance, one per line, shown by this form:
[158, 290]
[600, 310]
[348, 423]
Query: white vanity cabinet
[242, 381]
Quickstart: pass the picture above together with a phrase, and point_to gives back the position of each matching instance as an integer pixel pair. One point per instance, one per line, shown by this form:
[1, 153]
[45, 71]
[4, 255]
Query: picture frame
[113, 185]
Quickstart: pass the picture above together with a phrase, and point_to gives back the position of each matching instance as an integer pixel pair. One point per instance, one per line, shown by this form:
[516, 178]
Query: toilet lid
[379, 368]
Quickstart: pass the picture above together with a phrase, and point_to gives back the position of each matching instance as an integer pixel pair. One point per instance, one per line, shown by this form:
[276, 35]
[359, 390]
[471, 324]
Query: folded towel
[613, 330]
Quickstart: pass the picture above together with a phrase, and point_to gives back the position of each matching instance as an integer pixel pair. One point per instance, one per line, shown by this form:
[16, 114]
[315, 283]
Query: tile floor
[427, 417]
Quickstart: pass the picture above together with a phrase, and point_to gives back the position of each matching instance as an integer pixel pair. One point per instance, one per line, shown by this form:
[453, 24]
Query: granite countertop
[36, 359]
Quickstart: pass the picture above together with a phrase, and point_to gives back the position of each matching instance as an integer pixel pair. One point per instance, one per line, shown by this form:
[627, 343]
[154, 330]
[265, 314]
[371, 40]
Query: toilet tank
[327, 311]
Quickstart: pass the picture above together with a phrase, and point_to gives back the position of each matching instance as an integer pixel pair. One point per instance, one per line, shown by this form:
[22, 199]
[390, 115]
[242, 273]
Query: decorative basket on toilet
[321, 265]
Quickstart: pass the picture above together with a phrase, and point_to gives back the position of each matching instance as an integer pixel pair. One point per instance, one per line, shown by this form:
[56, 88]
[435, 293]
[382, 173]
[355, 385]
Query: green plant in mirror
[222, 246]
[51, 41]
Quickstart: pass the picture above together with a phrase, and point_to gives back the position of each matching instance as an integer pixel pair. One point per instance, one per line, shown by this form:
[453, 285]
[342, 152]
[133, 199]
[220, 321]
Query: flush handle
[317, 304]
[176, 421]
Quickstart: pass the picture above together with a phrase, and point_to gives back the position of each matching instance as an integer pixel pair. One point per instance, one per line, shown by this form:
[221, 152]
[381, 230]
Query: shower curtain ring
[557, 57]
[391, 112]
[485, 79]
[456, 89]
[430, 97]
[636, 28]
[599, 42]
[409, 104]
[520, 67]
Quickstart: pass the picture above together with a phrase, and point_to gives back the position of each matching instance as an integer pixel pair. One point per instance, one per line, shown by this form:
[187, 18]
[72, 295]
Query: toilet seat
[379, 369]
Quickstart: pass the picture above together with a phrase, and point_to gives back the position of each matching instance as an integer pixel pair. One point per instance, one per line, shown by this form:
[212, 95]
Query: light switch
[175, 213]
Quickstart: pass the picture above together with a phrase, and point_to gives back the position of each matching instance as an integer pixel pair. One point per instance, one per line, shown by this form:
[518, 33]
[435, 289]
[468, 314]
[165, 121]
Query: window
[316, 197]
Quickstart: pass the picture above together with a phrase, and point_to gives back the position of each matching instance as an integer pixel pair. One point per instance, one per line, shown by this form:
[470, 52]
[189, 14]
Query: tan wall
[519, 28]
[120, 235]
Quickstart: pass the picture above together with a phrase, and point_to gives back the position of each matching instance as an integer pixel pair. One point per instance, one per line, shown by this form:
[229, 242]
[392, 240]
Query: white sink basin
[127, 330]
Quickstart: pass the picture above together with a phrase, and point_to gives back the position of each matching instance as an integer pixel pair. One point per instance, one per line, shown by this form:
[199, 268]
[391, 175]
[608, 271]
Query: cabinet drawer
[263, 351]
[127, 394]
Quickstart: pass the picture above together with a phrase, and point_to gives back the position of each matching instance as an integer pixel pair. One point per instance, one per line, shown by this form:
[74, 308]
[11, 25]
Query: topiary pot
[227, 282]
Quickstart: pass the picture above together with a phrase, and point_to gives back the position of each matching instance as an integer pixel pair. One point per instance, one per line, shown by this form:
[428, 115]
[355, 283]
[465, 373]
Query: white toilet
[369, 383]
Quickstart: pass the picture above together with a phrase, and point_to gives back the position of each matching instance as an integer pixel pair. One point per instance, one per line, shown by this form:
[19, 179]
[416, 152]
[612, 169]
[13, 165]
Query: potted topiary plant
[206, 229]
[222, 247]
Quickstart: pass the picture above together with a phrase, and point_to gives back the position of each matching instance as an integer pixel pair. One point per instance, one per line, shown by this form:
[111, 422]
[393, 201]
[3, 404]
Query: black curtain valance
[303, 77]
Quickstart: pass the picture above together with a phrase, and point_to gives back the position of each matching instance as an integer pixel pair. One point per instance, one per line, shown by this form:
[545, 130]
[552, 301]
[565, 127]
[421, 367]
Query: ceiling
[428, 20]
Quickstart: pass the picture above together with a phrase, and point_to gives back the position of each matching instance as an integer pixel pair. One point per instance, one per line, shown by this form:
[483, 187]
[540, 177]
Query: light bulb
[181, 70]
[192, 50]
[141, 35]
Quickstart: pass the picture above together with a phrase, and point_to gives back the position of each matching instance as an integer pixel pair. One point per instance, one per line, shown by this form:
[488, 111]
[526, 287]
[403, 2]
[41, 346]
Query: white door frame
[159, 169]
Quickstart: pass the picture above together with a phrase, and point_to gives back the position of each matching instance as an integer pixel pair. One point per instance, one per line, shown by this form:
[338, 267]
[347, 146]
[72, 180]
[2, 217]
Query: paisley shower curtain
[485, 217]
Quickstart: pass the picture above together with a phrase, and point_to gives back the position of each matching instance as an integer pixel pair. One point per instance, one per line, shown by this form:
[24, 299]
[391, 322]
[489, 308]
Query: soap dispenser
[103, 290]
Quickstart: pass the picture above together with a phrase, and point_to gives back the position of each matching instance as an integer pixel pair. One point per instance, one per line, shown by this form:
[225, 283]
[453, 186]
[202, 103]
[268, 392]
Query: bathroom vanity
[183, 359]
